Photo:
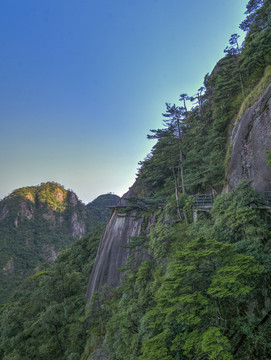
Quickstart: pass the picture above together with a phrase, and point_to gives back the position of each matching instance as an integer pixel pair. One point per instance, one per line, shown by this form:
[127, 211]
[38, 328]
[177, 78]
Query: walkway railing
[265, 197]
[203, 201]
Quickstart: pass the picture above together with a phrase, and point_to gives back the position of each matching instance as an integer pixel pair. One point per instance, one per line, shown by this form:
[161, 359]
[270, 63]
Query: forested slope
[204, 291]
[36, 222]
[45, 317]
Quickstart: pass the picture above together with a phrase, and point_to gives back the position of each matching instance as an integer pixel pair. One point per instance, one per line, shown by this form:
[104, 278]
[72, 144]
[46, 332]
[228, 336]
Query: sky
[83, 81]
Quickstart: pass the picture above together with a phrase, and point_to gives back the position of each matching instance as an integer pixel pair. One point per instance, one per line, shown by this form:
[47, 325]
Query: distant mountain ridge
[36, 222]
[101, 204]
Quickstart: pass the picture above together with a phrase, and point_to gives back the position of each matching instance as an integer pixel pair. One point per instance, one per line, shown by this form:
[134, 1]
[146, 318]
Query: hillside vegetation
[204, 292]
[45, 317]
[37, 222]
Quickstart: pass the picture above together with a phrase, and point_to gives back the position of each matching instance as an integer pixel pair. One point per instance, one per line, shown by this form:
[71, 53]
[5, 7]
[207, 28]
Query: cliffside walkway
[265, 198]
[122, 203]
[204, 202]
[201, 202]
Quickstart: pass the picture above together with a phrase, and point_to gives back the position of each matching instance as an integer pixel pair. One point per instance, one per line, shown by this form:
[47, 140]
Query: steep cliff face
[250, 139]
[112, 255]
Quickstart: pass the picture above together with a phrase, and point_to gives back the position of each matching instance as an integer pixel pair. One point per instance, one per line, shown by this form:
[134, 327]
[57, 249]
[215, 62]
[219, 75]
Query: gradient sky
[83, 81]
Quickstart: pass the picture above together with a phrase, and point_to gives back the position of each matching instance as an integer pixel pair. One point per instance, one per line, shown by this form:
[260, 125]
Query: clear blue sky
[83, 81]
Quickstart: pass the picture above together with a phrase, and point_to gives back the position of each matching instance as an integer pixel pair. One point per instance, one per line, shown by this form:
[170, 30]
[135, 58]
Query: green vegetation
[51, 194]
[36, 223]
[237, 81]
[255, 94]
[204, 291]
[202, 295]
[99, 207]
[45, 317]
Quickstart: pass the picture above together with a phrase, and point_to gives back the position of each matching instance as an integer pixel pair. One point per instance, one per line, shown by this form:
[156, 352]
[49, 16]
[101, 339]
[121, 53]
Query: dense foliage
[99, 207]
[205, 291]
[45, 317]
[231, 85]
[36, 223]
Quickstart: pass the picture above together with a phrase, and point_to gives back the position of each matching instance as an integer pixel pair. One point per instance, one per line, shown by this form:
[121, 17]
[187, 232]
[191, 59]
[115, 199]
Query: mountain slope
[204, 292]
[43, 319]
[35, 224]
[99, 207]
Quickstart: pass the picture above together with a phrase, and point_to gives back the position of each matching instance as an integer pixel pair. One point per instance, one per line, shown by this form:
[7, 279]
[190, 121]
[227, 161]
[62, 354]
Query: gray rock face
[78, 228]
[111, 255]
[4, 212]
[250, 139]
[49, 253]
[26, 211]
[73, 199]
[8, 268]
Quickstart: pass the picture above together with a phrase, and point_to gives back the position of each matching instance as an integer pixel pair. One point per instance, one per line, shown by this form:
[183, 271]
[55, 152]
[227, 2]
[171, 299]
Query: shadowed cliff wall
[250, 139]
[111, 255]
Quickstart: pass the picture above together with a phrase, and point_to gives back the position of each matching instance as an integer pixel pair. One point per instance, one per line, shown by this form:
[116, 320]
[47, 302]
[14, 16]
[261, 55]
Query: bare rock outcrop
[26, 211]
[4, 212]
[78, 228]
[112, 255]
[73, 199]
[8, 268]
[250, 139]
[49, 253]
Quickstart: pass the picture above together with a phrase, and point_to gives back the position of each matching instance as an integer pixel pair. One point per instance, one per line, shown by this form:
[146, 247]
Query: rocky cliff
[36, 223]
[112, 253]
[249, 141]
